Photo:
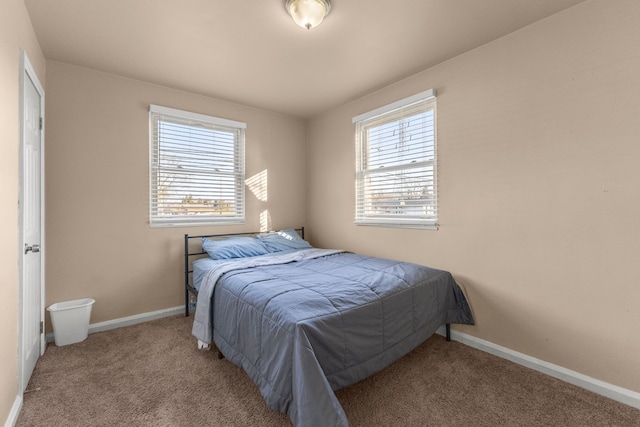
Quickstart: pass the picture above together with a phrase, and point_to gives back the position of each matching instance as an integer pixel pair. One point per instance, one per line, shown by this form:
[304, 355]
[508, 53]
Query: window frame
[395, 112]
[188, 119]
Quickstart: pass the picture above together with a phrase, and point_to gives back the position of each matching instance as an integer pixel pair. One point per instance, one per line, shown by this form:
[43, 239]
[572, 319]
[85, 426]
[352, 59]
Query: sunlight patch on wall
[257, 184]
[265, 220]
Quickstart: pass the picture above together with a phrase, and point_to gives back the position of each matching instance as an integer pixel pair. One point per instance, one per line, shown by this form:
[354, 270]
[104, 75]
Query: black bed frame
[190, 256]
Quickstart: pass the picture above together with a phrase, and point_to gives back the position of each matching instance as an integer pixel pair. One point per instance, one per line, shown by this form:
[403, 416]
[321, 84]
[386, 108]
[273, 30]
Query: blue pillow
[234, 247]
[284, 240]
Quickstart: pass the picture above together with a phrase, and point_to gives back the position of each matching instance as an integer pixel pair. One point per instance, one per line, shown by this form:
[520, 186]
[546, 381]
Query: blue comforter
[303, 329]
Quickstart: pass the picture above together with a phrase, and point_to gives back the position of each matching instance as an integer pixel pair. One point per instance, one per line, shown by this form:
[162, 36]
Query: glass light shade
[308, 13]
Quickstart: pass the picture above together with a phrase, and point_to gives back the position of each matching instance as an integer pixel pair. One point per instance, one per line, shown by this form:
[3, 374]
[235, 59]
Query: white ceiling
[251, 52]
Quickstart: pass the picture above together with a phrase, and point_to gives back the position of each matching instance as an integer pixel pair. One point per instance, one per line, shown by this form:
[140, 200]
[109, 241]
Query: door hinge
[41, 326]
[41, 125]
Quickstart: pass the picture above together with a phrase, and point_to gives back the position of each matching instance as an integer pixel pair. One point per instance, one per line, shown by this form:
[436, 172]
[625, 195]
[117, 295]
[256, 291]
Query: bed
[303, 322]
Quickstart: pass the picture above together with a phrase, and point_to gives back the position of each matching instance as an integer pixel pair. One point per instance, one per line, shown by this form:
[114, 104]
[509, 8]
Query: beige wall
[539, 187]
[99, 241]
[16, 33]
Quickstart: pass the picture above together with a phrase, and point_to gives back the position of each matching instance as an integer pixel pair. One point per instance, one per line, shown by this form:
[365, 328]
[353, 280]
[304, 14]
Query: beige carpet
[153, 375]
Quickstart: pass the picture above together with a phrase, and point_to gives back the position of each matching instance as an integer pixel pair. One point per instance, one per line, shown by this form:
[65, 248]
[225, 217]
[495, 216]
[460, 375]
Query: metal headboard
[191, 254]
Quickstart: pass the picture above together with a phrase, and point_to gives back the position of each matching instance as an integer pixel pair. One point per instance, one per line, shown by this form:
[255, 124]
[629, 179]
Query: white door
[31, 217]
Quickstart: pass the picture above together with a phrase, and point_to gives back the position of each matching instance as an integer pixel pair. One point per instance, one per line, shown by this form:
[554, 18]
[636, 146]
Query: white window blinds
[396, 164]
[196, 169]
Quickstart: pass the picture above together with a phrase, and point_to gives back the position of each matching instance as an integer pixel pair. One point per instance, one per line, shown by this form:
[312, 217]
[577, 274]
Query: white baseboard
[623, 395]
[12, 419]
[128, 321]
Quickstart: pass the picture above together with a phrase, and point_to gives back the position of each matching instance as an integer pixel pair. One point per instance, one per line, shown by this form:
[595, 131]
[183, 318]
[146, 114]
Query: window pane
[403, 141]
[404, 192]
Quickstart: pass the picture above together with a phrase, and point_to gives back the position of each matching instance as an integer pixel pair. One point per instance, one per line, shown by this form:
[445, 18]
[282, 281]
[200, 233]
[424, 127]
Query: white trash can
[70, 320]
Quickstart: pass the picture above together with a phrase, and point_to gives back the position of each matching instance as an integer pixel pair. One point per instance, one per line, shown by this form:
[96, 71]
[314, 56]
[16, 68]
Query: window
[396, 164]
[196, 169]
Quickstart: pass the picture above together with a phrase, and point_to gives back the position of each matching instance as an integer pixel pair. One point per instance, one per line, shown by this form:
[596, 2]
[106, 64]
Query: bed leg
[448, 328]
[220, 355]
[186, 302]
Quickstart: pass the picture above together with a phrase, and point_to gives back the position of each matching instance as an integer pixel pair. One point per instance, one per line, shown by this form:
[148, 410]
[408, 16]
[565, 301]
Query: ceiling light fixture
[308, 13]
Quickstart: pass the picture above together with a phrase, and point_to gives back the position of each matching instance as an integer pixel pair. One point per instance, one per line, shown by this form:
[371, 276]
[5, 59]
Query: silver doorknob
[34, 248]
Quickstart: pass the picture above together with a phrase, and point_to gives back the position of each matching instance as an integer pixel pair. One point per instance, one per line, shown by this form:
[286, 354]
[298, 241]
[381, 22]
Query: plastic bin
[70, 320]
